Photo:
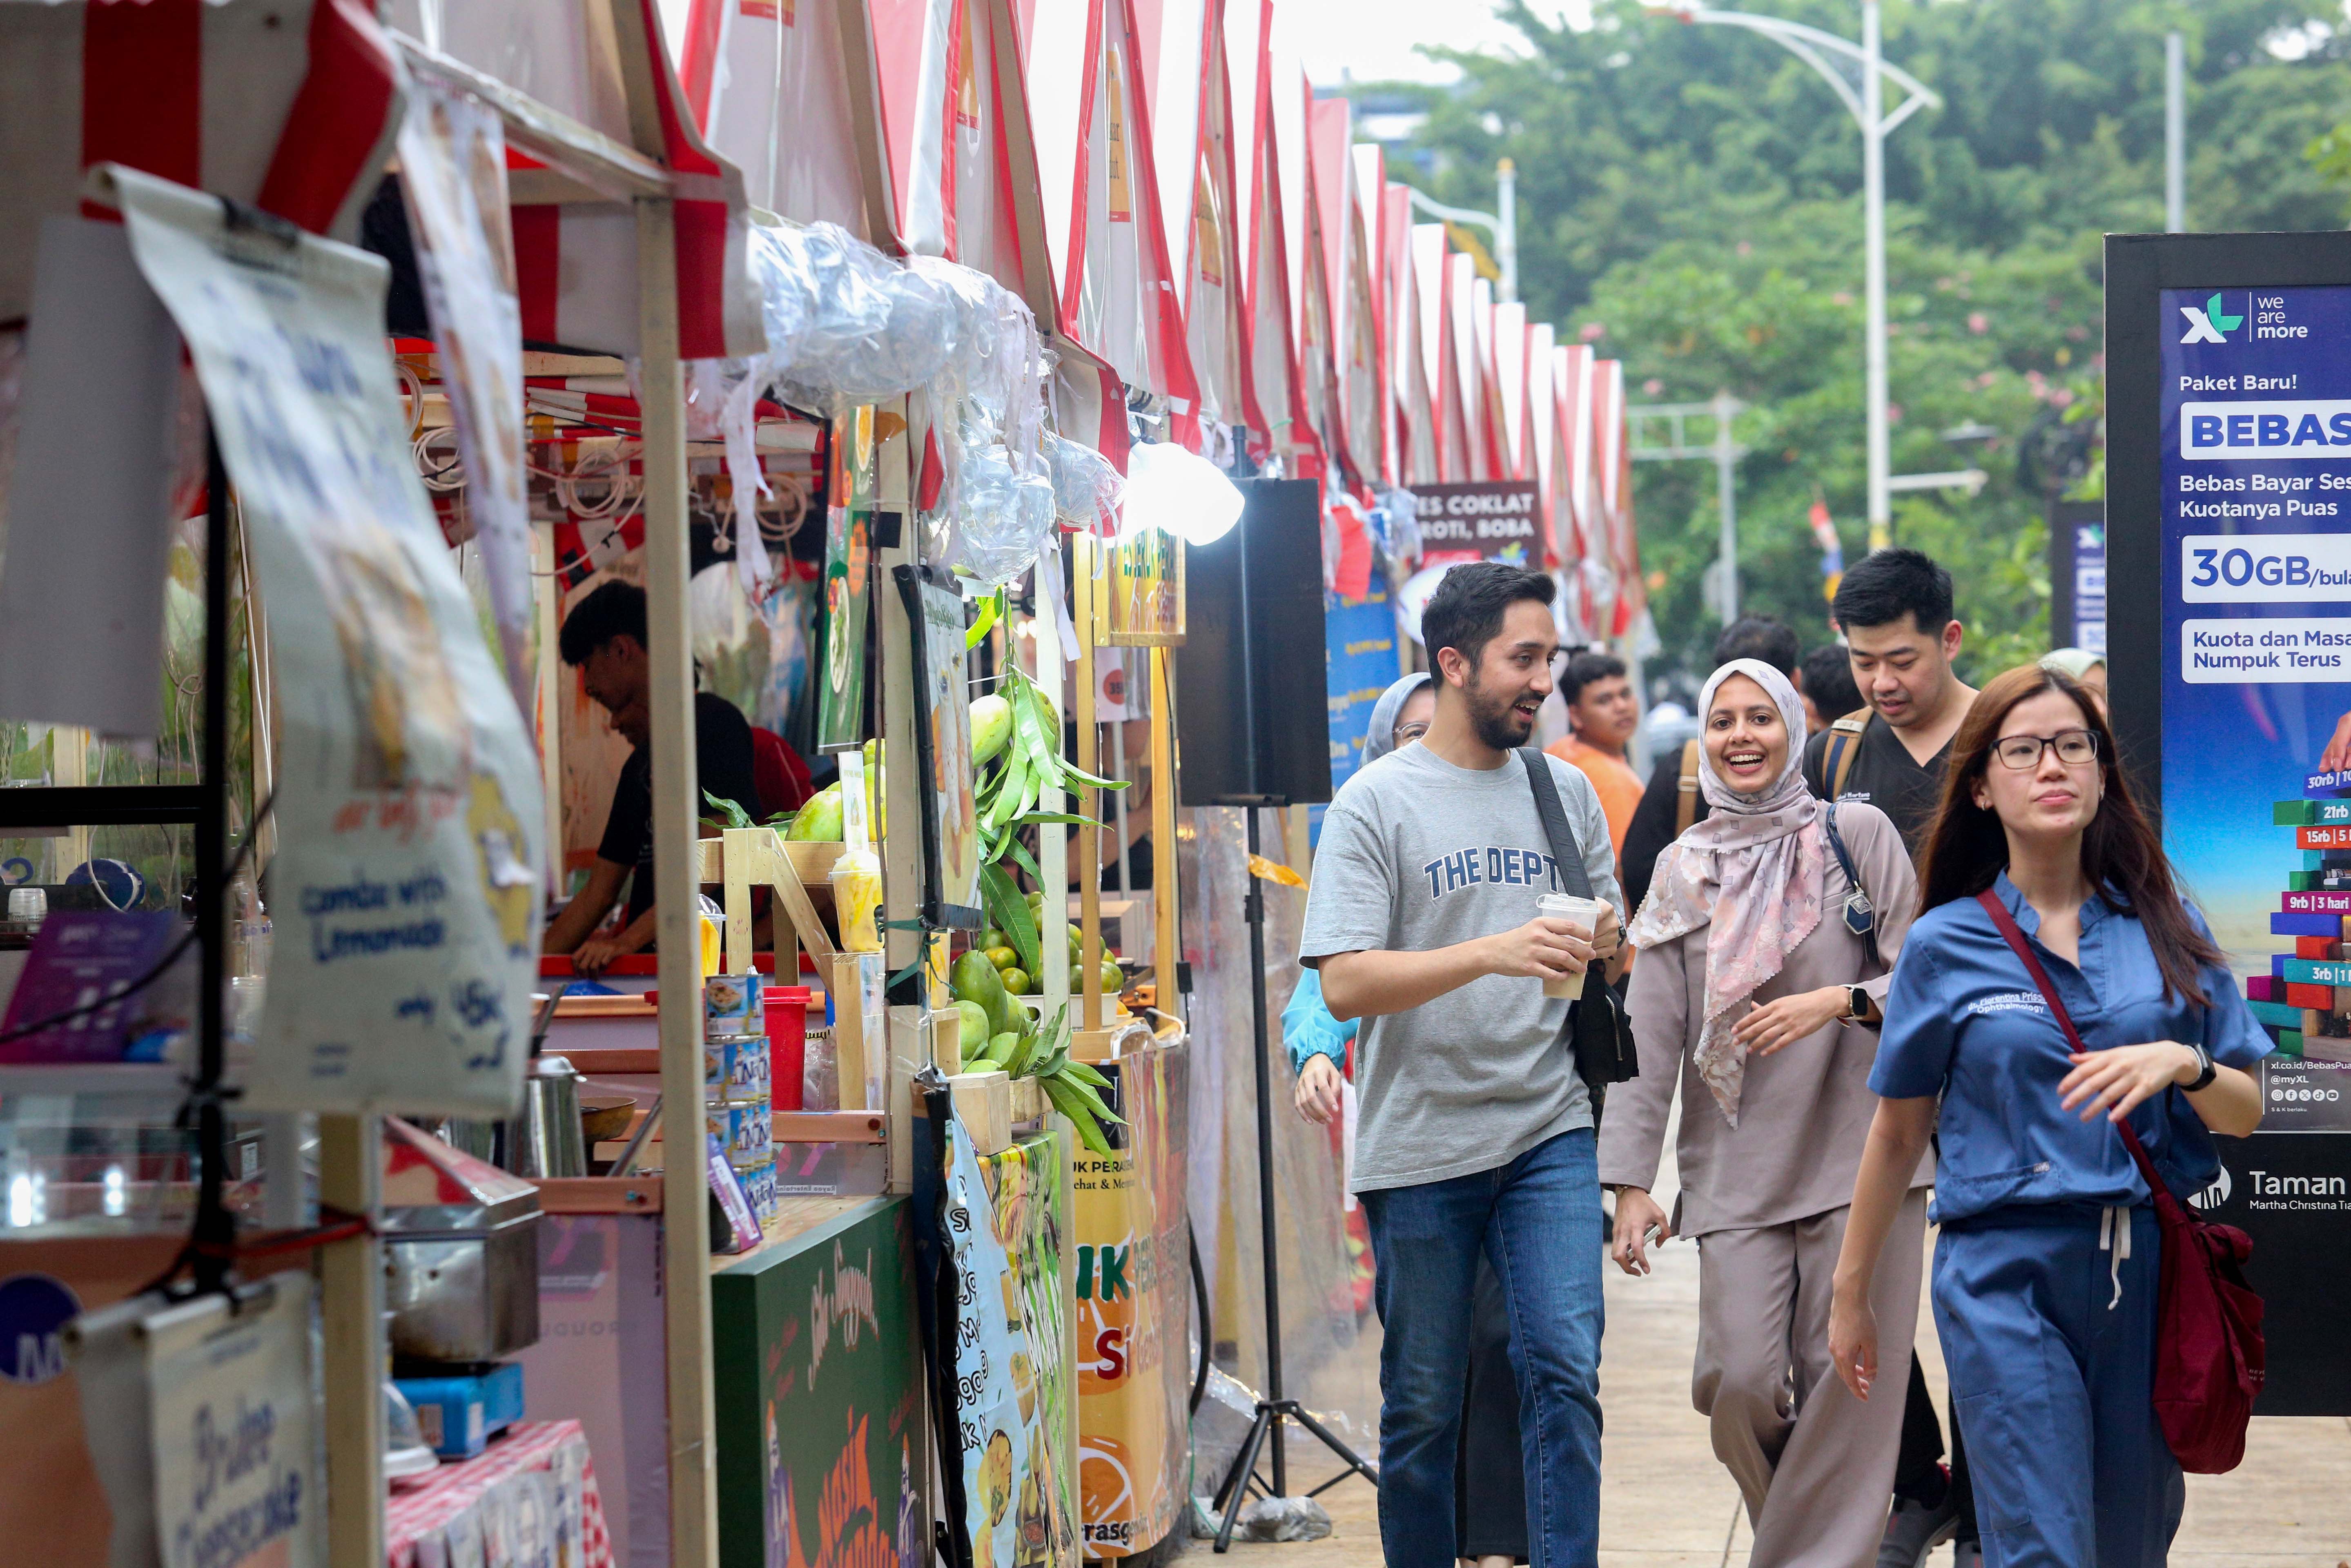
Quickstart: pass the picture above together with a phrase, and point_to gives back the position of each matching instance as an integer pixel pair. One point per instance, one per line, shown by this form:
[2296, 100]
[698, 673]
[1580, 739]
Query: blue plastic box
[460, 1415]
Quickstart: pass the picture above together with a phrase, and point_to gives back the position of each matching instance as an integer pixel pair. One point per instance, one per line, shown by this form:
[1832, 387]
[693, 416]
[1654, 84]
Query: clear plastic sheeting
[1087, 486]
[846, 325]
[1329, 1346]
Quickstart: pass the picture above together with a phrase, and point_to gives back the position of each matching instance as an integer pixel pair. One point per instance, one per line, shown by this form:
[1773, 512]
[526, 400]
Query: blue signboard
[1363, 659]
[2256, 444]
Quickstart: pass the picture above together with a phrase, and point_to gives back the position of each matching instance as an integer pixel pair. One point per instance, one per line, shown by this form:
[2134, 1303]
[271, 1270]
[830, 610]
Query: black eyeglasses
[2073, 747]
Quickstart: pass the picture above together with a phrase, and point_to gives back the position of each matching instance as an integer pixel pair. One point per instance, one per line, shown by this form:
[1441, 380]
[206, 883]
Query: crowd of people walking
[1905, 952]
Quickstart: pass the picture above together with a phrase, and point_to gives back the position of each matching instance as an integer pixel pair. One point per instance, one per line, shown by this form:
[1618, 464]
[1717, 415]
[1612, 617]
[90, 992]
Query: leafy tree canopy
[1689, 199]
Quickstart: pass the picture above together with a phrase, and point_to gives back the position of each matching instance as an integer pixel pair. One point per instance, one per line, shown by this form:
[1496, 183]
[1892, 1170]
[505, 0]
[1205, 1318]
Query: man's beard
[1495, 720]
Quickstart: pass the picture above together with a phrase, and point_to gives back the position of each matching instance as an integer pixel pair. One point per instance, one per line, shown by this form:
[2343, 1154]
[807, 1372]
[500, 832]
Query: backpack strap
[1845, 746]
[1600, 1035]
[1685, 802]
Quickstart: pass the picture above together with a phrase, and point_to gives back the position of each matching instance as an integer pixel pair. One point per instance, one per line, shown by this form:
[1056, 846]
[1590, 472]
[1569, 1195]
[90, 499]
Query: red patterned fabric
[476, 1495]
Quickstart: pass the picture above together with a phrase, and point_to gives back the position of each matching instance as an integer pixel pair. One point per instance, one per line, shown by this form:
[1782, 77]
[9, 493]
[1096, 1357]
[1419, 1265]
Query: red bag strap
[2015, 934]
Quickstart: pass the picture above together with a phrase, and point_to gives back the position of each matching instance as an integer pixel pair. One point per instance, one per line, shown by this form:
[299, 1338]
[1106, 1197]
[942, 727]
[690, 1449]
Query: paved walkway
[1666, 1503]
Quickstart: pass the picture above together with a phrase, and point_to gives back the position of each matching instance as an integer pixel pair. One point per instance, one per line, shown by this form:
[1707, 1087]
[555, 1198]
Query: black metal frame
[204, 804]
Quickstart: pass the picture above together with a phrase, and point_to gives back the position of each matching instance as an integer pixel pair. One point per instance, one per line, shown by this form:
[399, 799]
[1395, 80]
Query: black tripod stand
[1273, 1410]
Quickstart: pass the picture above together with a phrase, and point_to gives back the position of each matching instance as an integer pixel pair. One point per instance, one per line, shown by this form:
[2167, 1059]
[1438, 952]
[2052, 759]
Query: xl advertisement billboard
[2229, 509]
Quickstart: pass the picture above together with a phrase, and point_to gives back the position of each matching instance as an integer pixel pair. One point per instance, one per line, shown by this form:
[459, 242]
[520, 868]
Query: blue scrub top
[1964, 1020]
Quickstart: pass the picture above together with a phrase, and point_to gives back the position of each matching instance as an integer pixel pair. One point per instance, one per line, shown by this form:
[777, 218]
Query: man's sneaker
[1967, 1554]
[1914, 1529]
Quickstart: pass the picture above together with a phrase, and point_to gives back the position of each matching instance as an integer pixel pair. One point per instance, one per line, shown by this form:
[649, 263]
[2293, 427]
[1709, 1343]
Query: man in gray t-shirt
[1476, 1130]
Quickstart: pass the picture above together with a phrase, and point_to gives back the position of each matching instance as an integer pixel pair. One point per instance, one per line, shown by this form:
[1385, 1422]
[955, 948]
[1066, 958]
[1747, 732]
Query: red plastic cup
[786, 1044]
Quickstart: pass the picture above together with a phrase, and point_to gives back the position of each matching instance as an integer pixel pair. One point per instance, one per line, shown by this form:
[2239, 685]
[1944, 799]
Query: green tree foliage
[1689, 201]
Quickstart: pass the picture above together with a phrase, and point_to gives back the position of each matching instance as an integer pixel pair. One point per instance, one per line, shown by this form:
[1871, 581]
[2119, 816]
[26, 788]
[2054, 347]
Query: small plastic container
[856, 881]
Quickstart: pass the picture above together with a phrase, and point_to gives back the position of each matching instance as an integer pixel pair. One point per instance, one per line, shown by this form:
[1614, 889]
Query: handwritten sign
[405, 889]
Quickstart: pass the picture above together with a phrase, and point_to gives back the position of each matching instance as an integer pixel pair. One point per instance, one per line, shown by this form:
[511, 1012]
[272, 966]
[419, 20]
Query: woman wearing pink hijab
[1759, 990]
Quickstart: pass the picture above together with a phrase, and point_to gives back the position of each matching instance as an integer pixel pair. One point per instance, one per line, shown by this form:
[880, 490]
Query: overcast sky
[1374, 39]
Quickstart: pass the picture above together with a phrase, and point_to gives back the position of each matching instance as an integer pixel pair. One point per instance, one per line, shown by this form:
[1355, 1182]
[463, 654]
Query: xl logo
[2210, 325]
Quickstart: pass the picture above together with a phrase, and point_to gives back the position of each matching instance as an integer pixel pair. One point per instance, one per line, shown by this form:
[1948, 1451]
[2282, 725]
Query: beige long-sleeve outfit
[1767, 1202]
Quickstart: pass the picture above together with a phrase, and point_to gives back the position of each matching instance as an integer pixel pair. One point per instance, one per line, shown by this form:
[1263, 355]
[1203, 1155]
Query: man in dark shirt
[1895, 610]
[1655, 820]
[1900, 636]
[605, 638]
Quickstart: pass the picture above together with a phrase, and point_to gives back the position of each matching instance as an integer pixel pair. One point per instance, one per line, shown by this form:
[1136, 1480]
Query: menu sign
[1486, 519]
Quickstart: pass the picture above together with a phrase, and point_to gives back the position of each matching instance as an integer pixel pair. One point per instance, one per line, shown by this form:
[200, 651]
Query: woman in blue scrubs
[2046, 1273]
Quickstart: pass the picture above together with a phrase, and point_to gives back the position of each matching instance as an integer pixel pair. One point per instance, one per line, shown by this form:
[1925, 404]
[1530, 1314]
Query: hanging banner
[1009, 1223]
[1134, 1307]
[405, 891]
[2230, 505]
[453, 172]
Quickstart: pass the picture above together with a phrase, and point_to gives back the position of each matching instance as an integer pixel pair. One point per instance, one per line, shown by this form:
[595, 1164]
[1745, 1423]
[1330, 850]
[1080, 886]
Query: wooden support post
[350, 1277]
[685, 1237]
[1083, 548]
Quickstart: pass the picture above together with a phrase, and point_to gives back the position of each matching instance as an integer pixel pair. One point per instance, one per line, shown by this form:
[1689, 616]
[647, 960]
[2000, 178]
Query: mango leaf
[1019, 854]
[1085, 1073]
[730, 813]
[1009, 910]
[1081, 1116]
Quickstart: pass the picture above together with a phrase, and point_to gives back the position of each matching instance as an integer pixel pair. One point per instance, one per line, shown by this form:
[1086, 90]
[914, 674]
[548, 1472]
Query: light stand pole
[1864, 99]
[2175, 133]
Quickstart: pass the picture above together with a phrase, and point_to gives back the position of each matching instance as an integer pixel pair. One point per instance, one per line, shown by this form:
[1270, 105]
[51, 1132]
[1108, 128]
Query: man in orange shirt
[1602, 714]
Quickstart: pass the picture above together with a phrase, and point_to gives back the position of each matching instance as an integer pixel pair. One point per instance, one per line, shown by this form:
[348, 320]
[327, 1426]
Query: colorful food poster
[1008, 1222]
[406, 885]
[820, 1410]
[1134, 1309]
[1145, 605]
[848, 583]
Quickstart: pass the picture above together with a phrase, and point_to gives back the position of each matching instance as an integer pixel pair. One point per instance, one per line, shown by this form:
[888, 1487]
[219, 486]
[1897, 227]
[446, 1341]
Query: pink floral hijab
[1752, 873]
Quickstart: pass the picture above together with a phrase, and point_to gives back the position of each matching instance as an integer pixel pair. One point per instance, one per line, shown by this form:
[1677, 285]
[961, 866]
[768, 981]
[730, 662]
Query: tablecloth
[528, 1500]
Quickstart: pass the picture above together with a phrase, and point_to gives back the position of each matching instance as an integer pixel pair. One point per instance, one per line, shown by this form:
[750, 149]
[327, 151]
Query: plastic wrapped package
[1330, 1337]
[1087, 486]
[1002, 515]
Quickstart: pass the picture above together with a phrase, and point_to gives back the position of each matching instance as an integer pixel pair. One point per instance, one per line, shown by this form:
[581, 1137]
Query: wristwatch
[1856, 1003]
[2205, 1070]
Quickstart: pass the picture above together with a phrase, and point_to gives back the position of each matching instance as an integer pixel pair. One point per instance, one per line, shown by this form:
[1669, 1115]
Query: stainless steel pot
[547, 1140]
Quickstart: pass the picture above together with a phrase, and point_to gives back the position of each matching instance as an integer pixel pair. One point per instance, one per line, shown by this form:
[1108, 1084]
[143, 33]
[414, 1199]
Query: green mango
[818, 821]
[973, 979]
[976, 1027]
[991, 727]
[1001, 1047]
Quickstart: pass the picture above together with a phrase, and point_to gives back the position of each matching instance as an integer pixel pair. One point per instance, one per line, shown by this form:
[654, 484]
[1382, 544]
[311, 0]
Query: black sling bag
[1597, 1024]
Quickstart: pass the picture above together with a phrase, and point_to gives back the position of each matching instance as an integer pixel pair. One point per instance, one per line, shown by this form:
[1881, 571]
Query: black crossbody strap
[1569, 854]
[1860, 913]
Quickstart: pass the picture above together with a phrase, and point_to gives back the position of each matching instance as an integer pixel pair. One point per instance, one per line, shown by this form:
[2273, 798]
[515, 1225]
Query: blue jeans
[1537, 1218]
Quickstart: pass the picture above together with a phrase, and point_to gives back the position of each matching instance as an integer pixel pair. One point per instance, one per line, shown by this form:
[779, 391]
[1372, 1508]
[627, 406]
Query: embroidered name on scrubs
[2013, 1002]
[1489, 863]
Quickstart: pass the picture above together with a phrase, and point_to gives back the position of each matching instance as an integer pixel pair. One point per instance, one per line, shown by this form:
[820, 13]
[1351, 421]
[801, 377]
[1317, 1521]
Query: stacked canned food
[736, 1087]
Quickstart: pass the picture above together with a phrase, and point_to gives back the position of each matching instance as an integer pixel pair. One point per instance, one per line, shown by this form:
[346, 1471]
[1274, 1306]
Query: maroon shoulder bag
[2208, 1357]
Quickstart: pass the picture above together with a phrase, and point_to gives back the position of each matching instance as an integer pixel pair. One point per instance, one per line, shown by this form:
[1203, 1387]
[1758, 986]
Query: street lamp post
[1864, 99]
[1502, 226]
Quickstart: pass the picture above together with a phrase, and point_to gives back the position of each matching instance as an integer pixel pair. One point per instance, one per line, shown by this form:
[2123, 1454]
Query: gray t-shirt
[1417, 854]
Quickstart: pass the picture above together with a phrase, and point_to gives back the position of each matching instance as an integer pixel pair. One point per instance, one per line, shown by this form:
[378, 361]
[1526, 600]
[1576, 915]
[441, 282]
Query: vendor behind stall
[605, 638]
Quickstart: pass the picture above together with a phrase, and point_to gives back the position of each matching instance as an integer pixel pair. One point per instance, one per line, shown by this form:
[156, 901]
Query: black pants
[1916, 1475]
[1490, 1483]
